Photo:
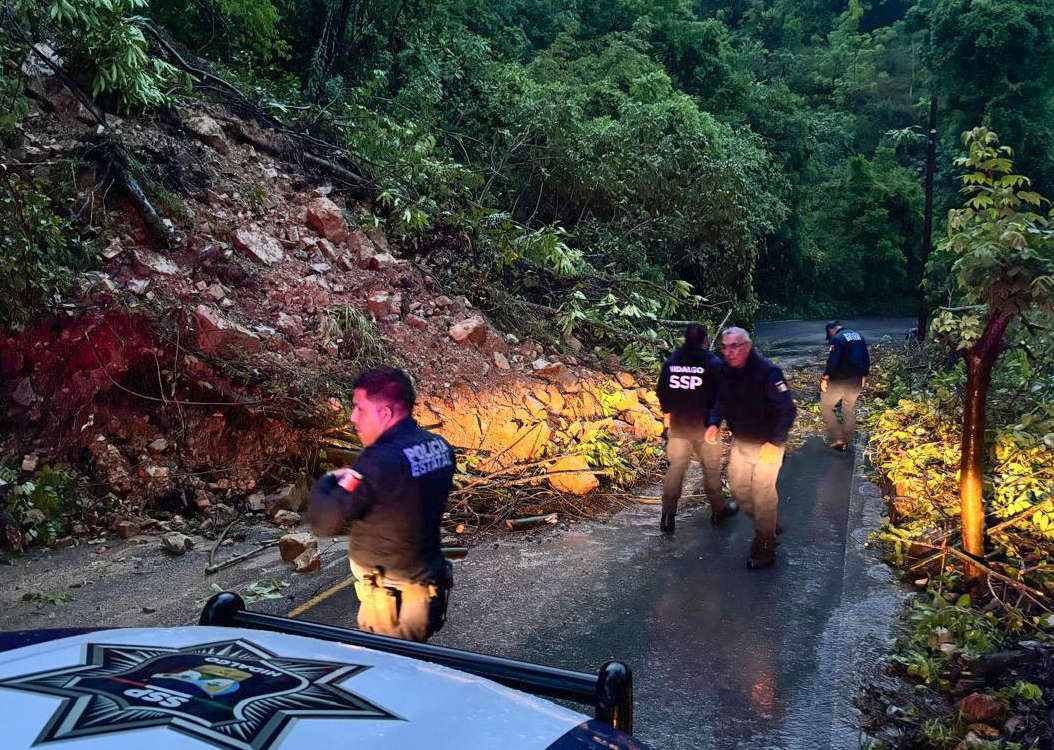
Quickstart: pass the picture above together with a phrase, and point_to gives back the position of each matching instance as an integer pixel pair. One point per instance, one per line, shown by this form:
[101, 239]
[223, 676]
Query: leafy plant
[104, 40]
[38, 251]
[267, 589]
[42, 504]
[41, 598]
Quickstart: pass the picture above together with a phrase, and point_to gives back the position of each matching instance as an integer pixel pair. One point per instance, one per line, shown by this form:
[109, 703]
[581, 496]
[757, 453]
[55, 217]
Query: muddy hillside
[204, 365]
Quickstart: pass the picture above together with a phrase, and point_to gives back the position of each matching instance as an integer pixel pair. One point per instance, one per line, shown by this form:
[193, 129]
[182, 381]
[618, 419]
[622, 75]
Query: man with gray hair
[754, 400]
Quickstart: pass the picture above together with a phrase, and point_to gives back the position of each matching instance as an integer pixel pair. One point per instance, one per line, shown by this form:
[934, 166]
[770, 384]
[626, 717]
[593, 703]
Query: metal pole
[927, 231]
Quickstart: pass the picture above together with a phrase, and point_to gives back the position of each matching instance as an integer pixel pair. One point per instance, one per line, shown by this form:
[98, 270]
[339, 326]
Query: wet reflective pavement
[723, 657]
[796, 342]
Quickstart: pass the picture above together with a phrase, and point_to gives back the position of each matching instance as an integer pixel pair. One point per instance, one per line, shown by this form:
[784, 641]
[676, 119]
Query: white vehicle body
[241, 689]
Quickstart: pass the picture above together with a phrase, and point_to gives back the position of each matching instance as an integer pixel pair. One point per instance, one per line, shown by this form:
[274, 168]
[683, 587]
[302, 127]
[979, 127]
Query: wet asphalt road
[723, 657]
[796, 342]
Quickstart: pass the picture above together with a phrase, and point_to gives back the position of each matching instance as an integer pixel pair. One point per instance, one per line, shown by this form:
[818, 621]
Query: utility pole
[927, 231]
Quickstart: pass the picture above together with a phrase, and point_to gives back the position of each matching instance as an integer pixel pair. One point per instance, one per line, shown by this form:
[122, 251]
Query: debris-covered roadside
[197, 374]
[970, 668]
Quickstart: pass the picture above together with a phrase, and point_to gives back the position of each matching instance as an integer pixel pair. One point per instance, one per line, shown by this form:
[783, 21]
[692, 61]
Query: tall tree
[1004, 267]
[993, 64]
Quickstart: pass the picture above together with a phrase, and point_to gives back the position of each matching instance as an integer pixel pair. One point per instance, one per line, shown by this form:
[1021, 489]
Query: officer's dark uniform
[848, 363]
[397, 497]
[756, 403]
[687, 389]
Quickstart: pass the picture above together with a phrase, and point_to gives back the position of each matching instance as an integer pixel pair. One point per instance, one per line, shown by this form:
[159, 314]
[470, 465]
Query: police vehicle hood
[238, 689]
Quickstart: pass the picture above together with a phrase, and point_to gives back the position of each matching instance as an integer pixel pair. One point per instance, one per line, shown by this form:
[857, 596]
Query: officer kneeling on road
[753, 398]
[686, 390]
[848, 363]
[395, 494]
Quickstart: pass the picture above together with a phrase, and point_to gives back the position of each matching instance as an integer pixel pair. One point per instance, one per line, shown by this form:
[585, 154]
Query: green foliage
[42, 504]
[1023, 691]
[103, 41]
[990, 66]
[937, 629]
[231, 30]
[38, 251]
[874, 210]
[13, 104]
[41, 598]
[914, 444]
[1003, 251]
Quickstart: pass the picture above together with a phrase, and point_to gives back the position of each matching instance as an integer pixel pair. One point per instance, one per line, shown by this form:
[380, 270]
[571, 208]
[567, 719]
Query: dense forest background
[621, 162]
[770, 152]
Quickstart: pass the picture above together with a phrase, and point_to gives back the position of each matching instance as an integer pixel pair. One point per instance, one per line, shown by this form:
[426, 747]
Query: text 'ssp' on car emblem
[231, 694]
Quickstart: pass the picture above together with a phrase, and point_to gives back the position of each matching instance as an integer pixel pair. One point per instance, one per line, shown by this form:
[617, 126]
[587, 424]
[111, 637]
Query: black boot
[728, 509]
[666, 523]
[762, 553]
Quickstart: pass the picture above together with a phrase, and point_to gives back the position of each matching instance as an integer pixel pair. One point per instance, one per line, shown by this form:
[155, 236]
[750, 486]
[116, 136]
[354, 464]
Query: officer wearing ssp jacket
[394, 494]
[848, 363]
[687, 388]
[755, 401]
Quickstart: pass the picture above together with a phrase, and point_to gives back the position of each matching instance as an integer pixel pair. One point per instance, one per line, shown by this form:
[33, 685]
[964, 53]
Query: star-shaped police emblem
[232, 694]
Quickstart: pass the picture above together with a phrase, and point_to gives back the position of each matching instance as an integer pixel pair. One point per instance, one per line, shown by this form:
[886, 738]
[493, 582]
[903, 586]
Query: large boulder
[215, 334]
[209, 132]
[292, 546]
[581, 480]
[383, 304]
[326, 218]
[469, 331]
[149, 262]
[259, 246]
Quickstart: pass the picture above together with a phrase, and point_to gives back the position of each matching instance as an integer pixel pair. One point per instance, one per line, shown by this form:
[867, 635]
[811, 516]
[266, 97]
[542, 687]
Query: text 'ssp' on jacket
[755, 401]
[687, 388]
[397, 506]
[847, 357]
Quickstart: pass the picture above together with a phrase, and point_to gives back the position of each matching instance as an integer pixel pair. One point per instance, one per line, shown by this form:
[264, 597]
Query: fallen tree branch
[209, 570]
[528, 480]
[519, 524]
[1034, 594]
[998, 528]
[658, 343]
[132, 189]
[236, 129]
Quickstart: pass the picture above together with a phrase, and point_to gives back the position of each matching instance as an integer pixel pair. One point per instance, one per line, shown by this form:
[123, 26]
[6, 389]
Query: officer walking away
[394, 495]
[687, 388]
[755, 402]
[848, 363]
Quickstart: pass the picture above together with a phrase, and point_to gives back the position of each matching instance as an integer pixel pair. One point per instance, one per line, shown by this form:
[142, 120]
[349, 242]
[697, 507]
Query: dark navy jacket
[847, 358]
[755, 401]
[402, 484]
[687, 389]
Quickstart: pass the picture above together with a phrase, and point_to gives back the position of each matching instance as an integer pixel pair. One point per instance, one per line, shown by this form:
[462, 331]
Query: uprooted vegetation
[204, 288]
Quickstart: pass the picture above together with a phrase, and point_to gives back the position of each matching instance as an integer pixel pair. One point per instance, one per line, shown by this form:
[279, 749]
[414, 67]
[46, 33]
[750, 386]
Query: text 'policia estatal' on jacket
[397, 505]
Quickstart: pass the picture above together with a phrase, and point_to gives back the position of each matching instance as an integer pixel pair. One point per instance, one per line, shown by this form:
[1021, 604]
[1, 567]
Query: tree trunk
[979, 361]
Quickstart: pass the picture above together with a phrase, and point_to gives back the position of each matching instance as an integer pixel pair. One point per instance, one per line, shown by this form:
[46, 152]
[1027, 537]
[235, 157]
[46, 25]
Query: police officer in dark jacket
[394, 494]
[687, 388]
[848, 363]
[754, 400]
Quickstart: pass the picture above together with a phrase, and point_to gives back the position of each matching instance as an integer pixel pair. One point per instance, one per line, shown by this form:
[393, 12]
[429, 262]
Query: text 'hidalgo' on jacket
[755, 400]
[401, 487]
[848, 358]
[687, 389]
